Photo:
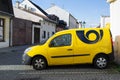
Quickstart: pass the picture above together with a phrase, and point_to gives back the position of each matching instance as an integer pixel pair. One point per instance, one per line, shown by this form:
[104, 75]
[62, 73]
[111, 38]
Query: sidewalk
[12, 55]
[12, 49]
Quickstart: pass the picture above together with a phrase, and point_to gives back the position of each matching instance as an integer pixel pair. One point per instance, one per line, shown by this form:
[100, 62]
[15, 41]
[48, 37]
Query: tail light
[112, 42]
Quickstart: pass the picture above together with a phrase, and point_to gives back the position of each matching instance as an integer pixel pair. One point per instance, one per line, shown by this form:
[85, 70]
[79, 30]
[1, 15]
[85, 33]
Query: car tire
[101, 61]
[39, 63]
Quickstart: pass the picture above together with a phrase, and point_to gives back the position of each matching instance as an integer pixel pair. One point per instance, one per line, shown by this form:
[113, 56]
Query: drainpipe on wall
[10, 31]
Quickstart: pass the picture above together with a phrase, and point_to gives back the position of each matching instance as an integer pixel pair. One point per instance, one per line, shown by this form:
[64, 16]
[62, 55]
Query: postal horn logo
[85, 37]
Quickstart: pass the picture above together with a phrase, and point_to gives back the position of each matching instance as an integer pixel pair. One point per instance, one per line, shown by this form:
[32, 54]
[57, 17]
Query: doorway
[36, 35]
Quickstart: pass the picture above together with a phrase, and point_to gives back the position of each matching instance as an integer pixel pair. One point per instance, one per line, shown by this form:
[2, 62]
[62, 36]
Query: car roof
[70, 30]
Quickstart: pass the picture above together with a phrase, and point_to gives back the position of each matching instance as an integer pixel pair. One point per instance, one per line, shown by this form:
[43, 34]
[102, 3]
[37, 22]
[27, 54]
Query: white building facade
[114, 17]
[29, 5]
[104, 20]
[63, 15]
[29, 11]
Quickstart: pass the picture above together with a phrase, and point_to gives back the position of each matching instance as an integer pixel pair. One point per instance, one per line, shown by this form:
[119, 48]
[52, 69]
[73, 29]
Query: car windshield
[43, 42]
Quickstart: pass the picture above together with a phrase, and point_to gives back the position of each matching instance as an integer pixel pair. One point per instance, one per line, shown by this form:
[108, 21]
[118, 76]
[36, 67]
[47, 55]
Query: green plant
[115, 66]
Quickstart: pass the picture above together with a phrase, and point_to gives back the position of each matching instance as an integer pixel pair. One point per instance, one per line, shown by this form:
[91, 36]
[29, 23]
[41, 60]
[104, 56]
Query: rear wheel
[39, 63]
[101, 62]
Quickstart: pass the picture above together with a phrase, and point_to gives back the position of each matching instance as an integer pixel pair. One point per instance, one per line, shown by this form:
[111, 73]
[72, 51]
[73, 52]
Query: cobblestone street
[11, 68]
[61, 73]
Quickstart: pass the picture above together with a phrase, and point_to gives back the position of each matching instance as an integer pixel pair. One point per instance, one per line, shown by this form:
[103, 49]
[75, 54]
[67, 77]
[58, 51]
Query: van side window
[63, 40]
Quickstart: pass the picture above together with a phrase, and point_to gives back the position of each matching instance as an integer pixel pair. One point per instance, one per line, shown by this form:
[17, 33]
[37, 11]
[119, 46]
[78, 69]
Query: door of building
[36, 35]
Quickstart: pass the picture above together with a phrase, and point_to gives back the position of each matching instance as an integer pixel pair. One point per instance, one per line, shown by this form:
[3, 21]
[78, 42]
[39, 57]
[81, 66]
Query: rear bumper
[111, 55]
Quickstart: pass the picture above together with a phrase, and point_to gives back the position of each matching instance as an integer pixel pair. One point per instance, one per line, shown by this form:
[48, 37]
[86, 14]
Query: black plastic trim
[63, 56]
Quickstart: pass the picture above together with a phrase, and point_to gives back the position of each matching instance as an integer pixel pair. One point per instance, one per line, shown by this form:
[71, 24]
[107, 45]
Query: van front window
[63, 40]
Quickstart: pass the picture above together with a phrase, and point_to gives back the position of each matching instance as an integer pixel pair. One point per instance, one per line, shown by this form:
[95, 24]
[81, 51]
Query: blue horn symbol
[86, 39]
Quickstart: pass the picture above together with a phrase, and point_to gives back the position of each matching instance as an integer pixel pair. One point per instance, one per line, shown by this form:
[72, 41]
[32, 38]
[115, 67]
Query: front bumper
[26, 60]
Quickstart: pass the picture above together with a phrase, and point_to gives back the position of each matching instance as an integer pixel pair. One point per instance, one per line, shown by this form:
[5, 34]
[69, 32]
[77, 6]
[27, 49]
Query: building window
[53, 33]
[43, 22]
[1, 29]
[31, 9]
[48, 34]
[44, 34]
[25, 6]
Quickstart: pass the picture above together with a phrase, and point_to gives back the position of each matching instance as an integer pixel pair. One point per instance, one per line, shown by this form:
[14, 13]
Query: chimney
[17, 4]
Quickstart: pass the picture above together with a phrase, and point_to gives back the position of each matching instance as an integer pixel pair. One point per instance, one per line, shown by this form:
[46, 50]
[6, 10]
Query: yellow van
[74, 46]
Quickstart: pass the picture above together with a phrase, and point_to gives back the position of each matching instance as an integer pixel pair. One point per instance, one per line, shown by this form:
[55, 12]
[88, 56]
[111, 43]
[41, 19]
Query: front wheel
[101, 62]
[39, 63]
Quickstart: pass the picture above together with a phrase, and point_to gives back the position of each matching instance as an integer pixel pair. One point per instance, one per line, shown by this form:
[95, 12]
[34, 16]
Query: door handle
[69, 49]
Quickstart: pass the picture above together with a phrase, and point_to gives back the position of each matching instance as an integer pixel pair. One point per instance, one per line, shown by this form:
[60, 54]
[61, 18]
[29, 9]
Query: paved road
[12, 55]
[12, 69]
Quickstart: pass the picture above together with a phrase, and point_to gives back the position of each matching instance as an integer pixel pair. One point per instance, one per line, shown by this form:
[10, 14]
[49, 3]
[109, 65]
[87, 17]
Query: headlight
[28, 49]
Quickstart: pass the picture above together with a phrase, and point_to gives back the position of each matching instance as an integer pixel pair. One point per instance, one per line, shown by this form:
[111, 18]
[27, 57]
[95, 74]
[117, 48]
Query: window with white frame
[1, 29]
[44, 35]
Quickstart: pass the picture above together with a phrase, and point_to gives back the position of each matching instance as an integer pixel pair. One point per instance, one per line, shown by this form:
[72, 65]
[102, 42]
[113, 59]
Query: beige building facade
[4, 31]
[6, 14]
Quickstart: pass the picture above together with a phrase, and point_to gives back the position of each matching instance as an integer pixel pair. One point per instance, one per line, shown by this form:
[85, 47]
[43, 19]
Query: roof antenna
[52, 4]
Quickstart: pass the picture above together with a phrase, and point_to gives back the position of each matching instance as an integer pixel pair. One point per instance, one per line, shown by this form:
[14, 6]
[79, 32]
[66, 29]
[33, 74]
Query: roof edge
[111, 1]
[5, 13]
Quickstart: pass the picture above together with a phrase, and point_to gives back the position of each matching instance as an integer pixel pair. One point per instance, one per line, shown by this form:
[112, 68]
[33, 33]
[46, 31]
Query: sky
[83, 10]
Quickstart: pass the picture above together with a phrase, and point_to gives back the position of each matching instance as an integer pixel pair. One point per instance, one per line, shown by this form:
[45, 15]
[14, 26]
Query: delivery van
[74, 46]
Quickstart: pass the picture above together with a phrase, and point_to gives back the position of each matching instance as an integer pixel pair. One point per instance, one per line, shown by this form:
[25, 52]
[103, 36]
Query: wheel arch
[100, 54]
[38, 56]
